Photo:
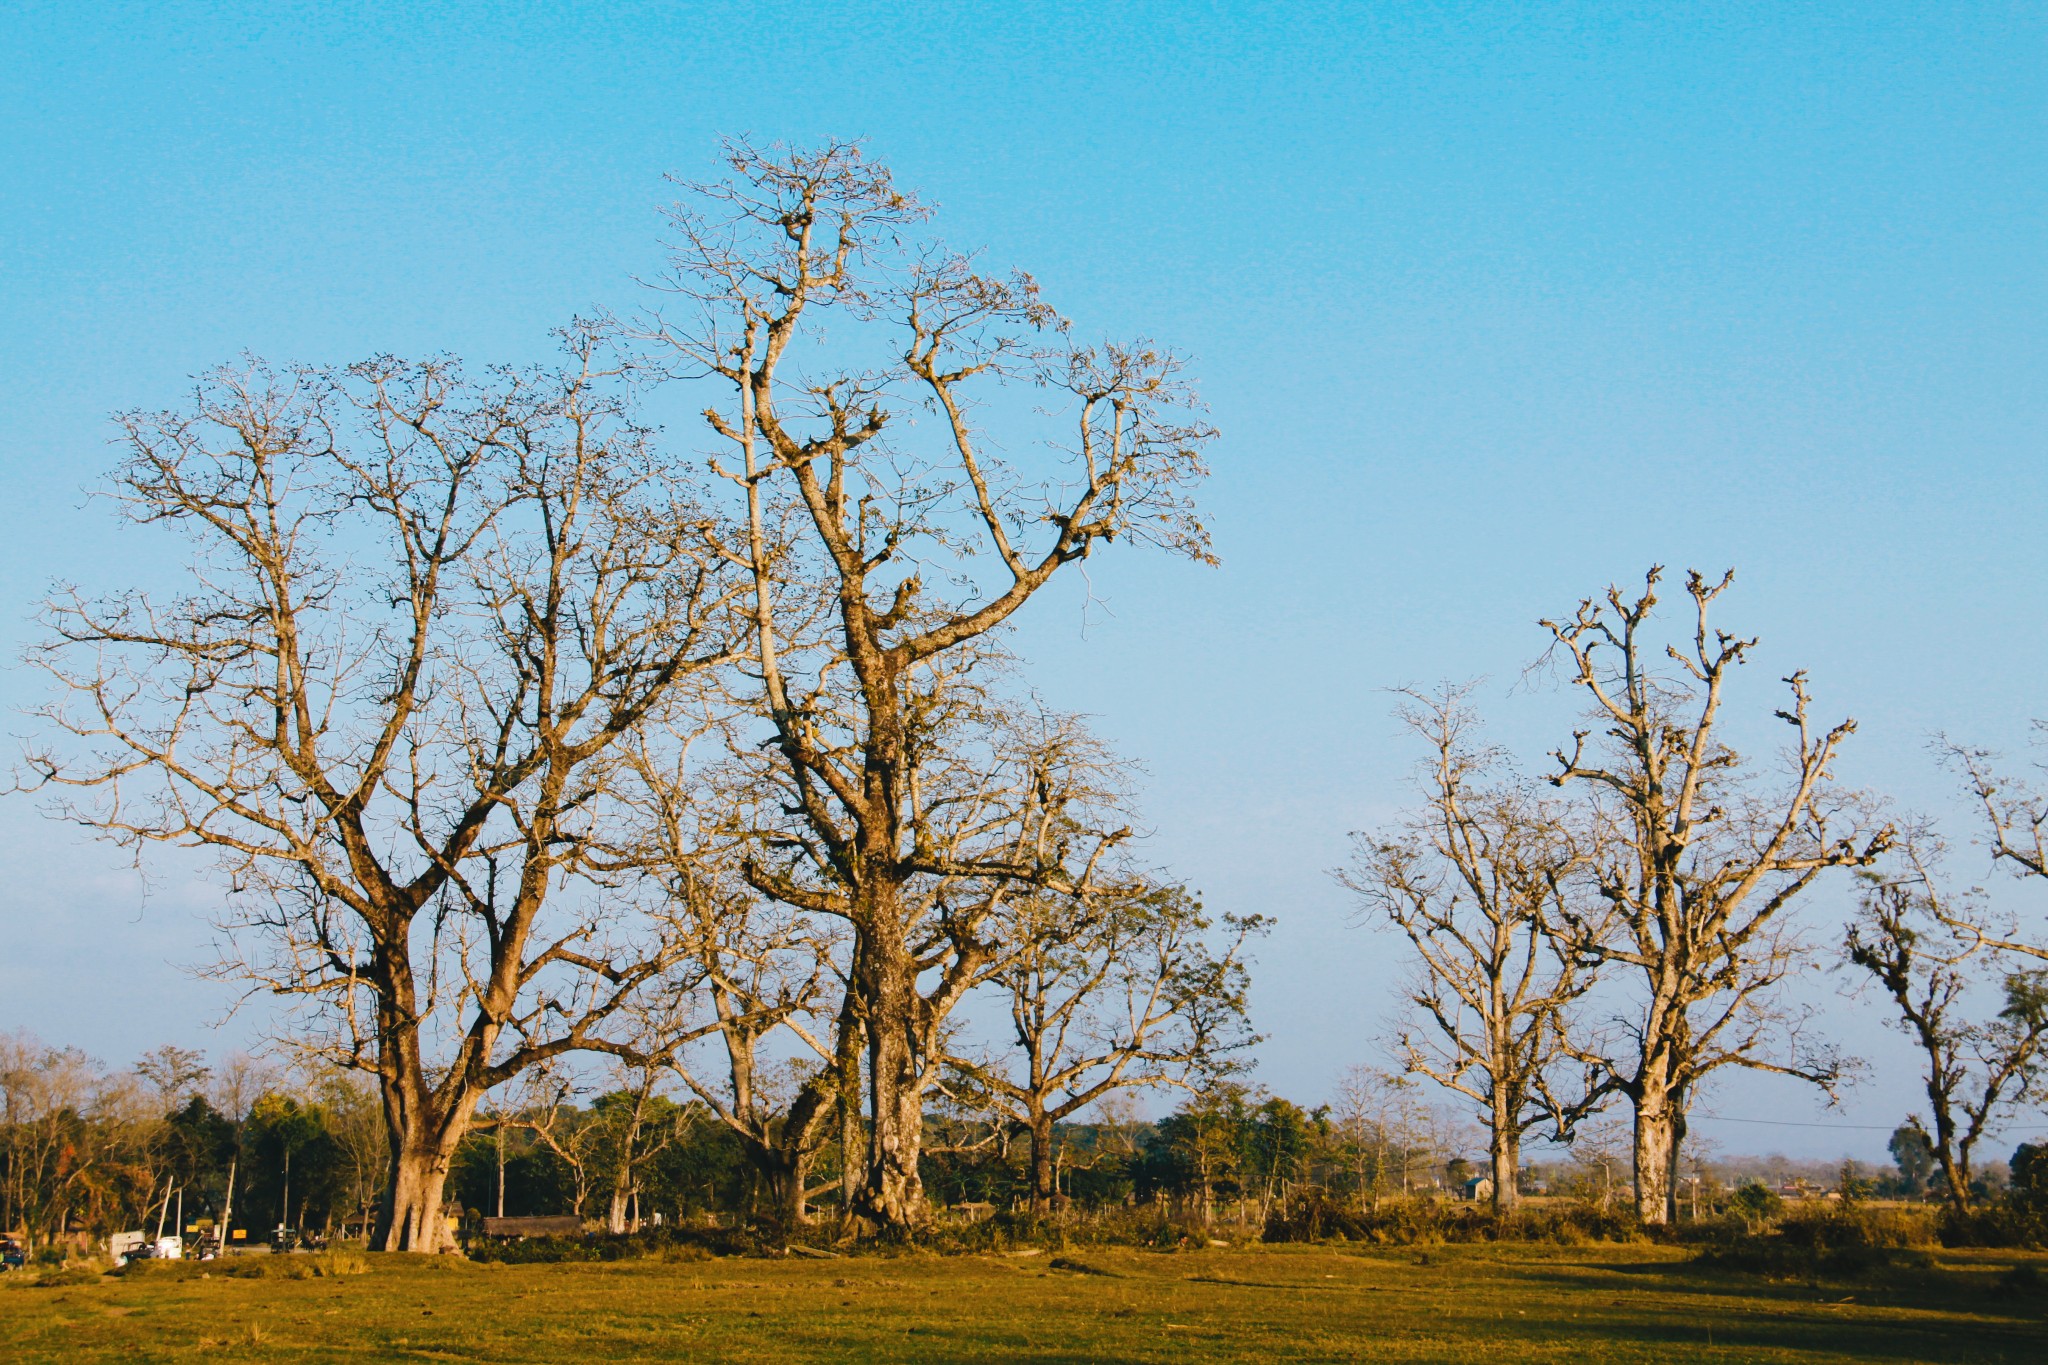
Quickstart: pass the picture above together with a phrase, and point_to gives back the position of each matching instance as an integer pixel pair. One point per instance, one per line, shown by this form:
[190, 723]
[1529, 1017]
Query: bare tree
[43, 1091]
[1368, 1105]
[233, 1090]
[637, 1125]
[1121, 990]
[1477, 882]
[2016, 819]
[919, 541]
[546, 1108]
[1914, 941]
[1698, 862]
[174, 1072]
[750, 970]
[767, 975]
[355, 1120]
[1602, 1148]
[420, 615]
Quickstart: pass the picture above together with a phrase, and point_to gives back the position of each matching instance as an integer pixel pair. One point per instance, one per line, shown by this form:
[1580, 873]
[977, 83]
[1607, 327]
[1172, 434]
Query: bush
[672, 1243]
[2030, 1175]
[1756, 1204]
[152, 1268]
[279, 1266]
[341, 1261]
[1411, 1222]
[2011, 1222]
[1830, 1227]
[1818, 1239]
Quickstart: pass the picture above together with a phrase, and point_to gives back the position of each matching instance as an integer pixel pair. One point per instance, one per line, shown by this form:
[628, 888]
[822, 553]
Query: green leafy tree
[1913, 1153]
[1276, 1140]
[1198, 1149]
[2030, 1176]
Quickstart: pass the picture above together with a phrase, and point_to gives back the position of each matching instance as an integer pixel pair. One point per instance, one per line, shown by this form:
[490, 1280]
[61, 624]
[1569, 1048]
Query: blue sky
[1493, 304]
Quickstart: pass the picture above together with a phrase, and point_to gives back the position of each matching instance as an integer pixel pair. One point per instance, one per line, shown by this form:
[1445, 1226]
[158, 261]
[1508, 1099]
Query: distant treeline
[86, 1152]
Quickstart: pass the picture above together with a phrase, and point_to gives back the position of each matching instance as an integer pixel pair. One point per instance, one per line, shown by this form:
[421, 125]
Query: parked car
[13, 1255]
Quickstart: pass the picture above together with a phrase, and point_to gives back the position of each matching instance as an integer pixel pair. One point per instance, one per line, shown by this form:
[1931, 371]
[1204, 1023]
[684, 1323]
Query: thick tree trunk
[1952, 1162]
[409, 1218]
[893, 1193]
[1506, 1152]
[784, 1173]
[1656, 1156]
[1041, 1162]
[424, 1132]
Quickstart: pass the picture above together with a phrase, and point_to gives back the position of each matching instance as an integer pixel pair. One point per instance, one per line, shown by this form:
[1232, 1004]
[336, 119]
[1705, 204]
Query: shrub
[1757, 1204]
[1816, 1239]
[152, 1268]
[1422, 1222]
[2010, 1222]
[1828, 1227]
[281, 1266]
[671, 1243]
[342, 1261]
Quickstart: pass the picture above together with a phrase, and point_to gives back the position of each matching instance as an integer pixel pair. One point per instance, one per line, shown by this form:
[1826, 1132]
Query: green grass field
[1484, 1305]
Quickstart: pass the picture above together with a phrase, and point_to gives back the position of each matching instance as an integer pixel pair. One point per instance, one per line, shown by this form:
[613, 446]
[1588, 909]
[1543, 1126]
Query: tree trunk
[784, 1173]
[894, 1193]
[1656, 1156]
[846, 1063]
[424, 1135]
[1041, 1161]
[1955, 1179]
[1952, 1163]
[1506, 1151]
[409, 1217]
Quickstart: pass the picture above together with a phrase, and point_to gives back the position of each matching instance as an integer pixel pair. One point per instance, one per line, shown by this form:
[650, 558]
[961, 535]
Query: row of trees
[83, 1149]
[522, 736]
[1624, 926]
[176, 1143]
[532, 746]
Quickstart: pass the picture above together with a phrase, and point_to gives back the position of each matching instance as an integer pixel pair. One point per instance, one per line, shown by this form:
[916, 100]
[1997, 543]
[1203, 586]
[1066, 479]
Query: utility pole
[227, 1208]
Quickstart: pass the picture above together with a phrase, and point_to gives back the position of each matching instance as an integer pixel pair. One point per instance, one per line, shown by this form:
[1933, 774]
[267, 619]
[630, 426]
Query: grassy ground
[1481, 1305]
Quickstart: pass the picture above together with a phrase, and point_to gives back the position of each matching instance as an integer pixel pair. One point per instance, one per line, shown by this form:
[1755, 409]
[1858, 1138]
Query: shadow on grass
[1926, 1314]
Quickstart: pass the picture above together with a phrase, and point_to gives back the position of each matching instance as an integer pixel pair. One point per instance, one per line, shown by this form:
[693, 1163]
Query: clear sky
[1493, 304]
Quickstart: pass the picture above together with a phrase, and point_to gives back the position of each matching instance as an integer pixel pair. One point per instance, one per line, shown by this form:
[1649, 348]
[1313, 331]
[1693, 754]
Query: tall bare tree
[1478, 882]
[421, 613]
[1119, 991]
[1698, 860]
[1917, 944]
[922, 539]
